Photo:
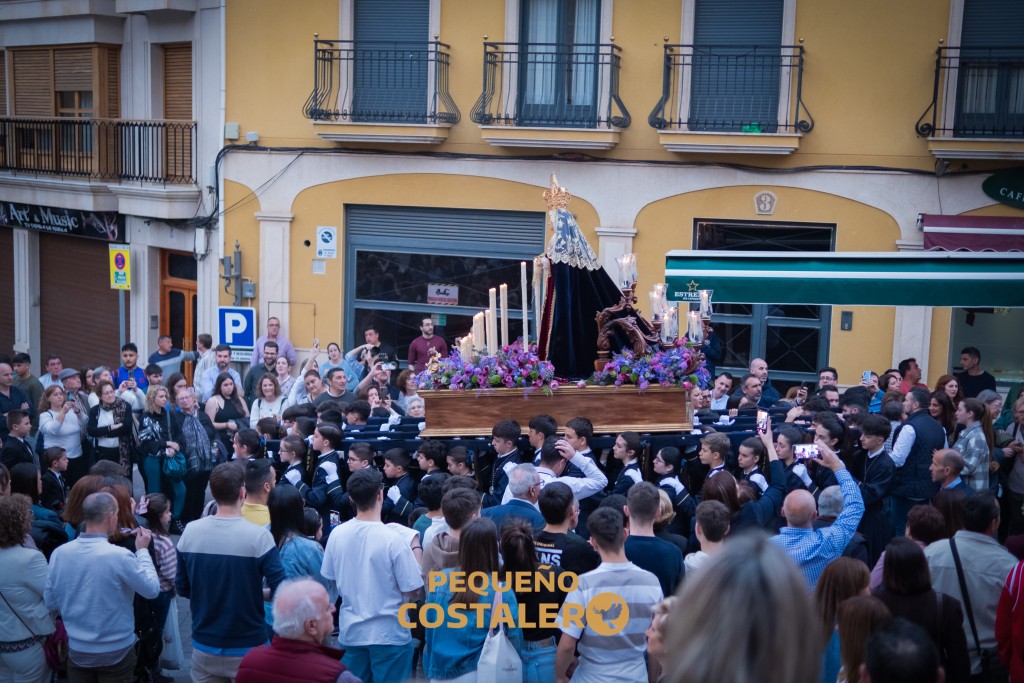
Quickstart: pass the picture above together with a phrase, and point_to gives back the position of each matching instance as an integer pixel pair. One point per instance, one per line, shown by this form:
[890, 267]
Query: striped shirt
[166, 561]
[621, 589]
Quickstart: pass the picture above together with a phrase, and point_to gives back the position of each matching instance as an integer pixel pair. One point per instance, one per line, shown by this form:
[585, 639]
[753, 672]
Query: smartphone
[335, 518]
[762, 421]
[388, 366]
[865, 377]
[805, 451]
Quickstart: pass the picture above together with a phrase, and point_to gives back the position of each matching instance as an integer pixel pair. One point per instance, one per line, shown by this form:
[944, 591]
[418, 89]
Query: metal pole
[238, 274]
[120, 317]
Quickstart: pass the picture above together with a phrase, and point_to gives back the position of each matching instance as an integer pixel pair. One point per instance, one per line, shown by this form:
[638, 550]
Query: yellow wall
[241, 226]
[868, 75]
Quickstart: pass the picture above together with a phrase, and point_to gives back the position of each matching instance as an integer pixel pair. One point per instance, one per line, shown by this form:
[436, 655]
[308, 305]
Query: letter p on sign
[237, 326]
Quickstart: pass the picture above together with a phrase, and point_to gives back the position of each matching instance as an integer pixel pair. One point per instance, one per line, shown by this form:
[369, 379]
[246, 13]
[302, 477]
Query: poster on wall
[98, 225]
[446, 295]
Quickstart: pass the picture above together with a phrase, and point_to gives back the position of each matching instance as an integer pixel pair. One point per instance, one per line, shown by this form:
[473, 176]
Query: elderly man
[284, 347]
[769, 395]
[524, 485]
[812, 549]
[93, 583]
[303, 617]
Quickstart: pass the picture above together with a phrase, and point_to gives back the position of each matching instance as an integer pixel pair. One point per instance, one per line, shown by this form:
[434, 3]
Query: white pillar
[611, 244]
[275, 237]
[26, 296]
[912, 332]
[144, 298]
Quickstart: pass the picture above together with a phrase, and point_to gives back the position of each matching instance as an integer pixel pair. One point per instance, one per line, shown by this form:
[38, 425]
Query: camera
[386, 363]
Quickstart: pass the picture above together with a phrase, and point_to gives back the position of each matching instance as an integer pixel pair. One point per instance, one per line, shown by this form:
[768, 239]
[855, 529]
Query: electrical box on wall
[231, 131]
[846, 321]
[248, 290]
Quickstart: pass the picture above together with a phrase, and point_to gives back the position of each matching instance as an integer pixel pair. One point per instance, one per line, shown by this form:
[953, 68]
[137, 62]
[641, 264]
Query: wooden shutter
[33, 82]
[109, 105]
[178, 82]
[77, 307]
[72, 69]
[3, 83]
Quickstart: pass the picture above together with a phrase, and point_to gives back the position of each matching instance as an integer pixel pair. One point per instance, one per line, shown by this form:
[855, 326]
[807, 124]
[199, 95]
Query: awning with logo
[972, 233]
[856, 279]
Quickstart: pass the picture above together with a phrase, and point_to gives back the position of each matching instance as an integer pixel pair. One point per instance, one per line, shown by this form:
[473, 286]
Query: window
[393, 255]
[559, 57]
[792, 339]
[390, 60]
[990, 85]
[737, 62]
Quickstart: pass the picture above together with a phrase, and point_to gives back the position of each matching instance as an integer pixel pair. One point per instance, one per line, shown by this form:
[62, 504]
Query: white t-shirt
[372, 567]
[437, 525]
[617, 657]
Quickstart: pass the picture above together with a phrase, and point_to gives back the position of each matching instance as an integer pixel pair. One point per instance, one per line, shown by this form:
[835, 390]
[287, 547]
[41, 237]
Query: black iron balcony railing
[729, 88]
[977, 92]
[551, 85]
[104, 149]
[374, 82]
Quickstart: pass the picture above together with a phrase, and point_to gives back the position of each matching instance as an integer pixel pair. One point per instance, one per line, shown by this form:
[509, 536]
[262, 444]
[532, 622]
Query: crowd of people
[875, 530]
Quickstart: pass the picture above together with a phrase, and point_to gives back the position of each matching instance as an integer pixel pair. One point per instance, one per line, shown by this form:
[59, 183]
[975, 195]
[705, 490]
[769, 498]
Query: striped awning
[972, 233]
[856, 279]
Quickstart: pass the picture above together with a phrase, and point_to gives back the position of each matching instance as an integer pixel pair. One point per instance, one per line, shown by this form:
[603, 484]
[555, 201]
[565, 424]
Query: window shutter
[110, 67]
[992, 23]
[178, 82]
[738, 22]
[390, 83]
[33, 82]
[3, 83]
[72, 69]
[463, 230]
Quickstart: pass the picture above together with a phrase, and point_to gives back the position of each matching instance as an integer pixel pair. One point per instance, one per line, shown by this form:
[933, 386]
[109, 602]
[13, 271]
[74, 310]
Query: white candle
[696, 330]
[538, 294]
[504, 314]
[478, 332]
[669, 326]
[492, 322]
[705, 303]
[525, 299]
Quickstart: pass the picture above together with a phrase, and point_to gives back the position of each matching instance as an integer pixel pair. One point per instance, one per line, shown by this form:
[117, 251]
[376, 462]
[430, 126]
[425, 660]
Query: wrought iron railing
[551, 85]
[977, 92]
[104, 149]
[729, 88]
[376, 82]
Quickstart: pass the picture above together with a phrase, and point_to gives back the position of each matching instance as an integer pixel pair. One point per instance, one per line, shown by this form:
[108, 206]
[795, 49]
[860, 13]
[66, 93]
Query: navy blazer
[515, 508]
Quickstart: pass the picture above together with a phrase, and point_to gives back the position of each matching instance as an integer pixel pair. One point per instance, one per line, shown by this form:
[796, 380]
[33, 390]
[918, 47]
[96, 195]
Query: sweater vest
[286, 660]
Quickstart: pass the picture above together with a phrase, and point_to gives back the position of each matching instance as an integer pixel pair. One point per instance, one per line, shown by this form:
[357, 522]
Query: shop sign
[446, 295]
[98, 225]
[1006, 187]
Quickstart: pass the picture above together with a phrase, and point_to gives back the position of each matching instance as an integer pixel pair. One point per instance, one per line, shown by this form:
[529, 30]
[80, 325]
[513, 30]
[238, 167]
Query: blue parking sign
[236, 326]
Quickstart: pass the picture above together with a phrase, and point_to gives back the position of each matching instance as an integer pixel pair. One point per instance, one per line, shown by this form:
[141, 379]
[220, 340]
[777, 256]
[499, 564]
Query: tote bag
[499, 662]
[172, 657]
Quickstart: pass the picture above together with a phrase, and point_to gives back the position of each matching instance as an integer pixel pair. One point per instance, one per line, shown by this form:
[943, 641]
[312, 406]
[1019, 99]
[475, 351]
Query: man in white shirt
[555, 456]
[720, 393]
[376, 572]
[222, 363]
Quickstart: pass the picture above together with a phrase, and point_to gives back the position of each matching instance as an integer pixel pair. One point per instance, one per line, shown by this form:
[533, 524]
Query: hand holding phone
[762, 421]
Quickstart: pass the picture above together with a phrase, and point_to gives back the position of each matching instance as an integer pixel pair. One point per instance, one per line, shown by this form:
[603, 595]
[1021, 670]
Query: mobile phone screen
[866, 377]
[805, 451]
[762, 421]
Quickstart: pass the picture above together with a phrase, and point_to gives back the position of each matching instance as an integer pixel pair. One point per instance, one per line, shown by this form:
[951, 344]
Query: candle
[492, 322]
[669, 325]
[504, 314]
[477, 337]
[705, 303]
[525, 299]
[696, 330]
[538, 294]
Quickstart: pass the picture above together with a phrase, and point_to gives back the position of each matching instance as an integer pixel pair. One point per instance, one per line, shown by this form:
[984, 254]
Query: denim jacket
[452, 652]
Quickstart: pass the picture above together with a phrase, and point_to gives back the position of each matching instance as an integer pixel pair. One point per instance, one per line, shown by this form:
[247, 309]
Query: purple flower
[554, 384]
[581, 384]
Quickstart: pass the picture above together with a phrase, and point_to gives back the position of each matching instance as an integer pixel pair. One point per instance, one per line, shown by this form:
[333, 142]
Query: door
[792, 339]
[178, 297]
[559, 59]
[990, 78]
[391, 54]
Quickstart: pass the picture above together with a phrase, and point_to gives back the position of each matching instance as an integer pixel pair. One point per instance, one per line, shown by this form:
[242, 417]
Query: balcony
[732, 99]
[551, 95]
[100, 149]
[381, 92]
[977, 107]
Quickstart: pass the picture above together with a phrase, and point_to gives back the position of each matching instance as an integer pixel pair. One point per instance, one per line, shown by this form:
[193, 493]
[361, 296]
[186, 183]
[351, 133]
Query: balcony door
[177, 141]
[736, 66]
[990, 86]
[390, 57]
[558, 63]
[178, 301]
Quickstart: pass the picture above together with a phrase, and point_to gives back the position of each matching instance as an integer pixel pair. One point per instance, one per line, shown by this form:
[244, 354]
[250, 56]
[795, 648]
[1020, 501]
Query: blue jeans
[379, 663]
[155, 480]
[539, 661]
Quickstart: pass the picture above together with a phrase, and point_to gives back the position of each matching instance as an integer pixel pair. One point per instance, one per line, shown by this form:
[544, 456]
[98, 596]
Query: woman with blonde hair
[61, 422]
[656, 634]
[715, 635]
[160, 437]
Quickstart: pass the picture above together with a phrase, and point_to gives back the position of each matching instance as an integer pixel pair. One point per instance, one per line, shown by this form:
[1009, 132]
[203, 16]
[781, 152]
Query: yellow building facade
[423, 132]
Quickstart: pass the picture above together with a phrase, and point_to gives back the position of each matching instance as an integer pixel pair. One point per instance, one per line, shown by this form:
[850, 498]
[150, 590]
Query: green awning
[976, 280]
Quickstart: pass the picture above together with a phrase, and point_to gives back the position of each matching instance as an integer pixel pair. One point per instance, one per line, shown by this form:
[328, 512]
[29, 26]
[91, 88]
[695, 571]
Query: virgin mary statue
[575, 288]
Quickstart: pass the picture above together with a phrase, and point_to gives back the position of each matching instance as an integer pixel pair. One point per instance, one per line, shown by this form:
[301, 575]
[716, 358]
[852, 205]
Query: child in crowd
[666, 466]
[627, 451]
[158, 517]
[54, 462]
[246, 444]
[292, 452]
[459, 462]
[751, 458]
[327, 472]
[401, 489]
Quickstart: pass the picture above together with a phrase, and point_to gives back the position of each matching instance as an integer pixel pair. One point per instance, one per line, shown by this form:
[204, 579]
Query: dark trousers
[77, 468]
[195, 496]
[121, 672]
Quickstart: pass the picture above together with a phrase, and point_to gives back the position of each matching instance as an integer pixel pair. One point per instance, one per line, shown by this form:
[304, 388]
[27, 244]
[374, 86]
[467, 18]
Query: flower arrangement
[677, 366]
[515, 366]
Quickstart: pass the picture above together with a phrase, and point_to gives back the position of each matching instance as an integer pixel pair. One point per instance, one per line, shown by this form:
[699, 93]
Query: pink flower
[581, 384]
[554, 384]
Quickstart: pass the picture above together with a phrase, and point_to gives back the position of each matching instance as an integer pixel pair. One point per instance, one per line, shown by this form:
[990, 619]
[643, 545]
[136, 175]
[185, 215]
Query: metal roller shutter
[471, 231]
[992, 23]
[78, 309]
[391, 60]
